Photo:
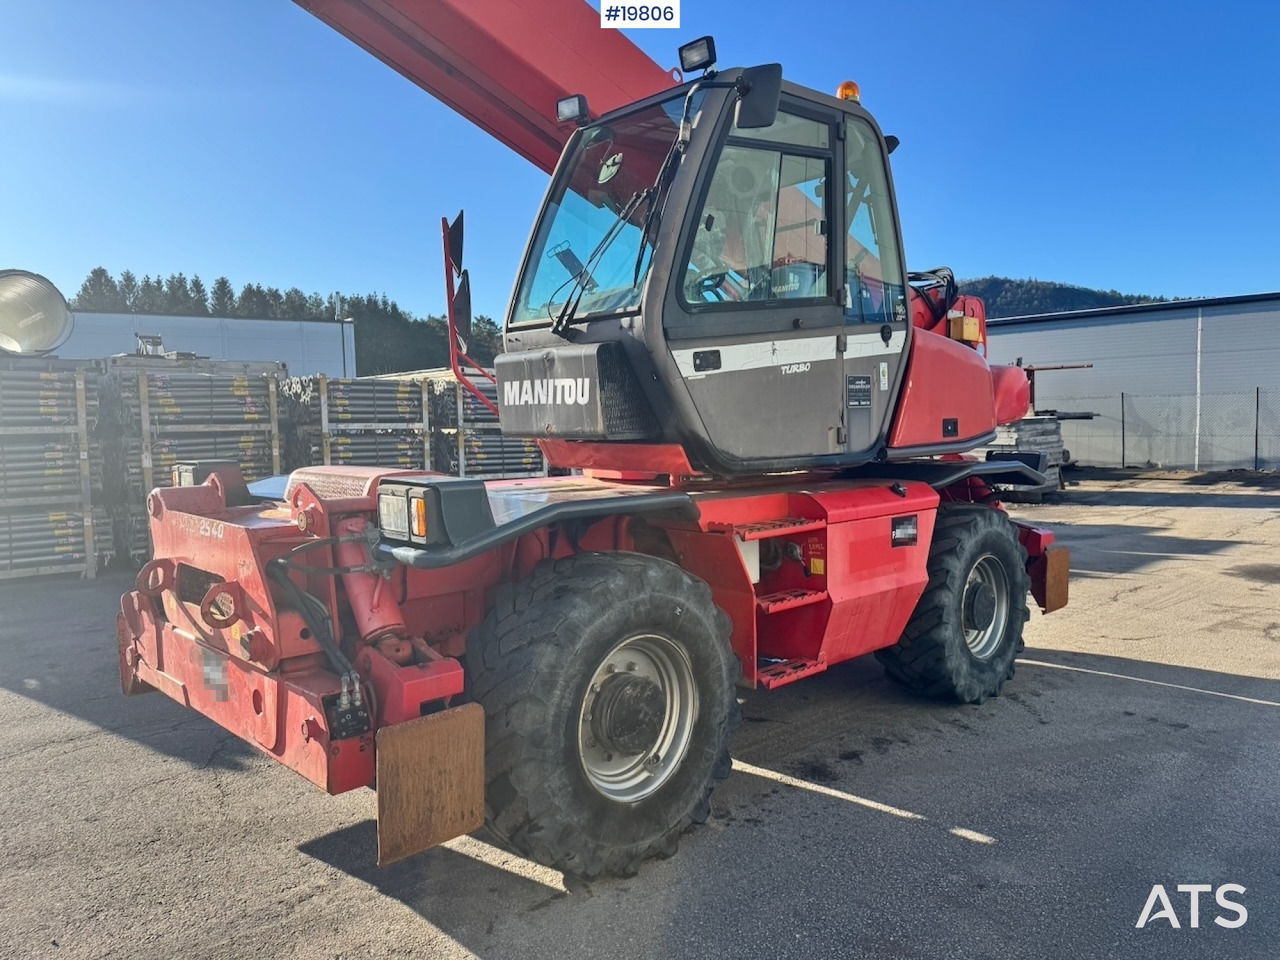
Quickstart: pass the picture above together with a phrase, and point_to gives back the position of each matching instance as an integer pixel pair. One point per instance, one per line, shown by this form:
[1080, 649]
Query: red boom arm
[502, 64]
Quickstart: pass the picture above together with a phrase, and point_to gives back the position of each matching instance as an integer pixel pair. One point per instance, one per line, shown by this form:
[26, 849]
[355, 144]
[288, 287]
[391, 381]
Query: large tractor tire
[609, 690]
[966, 631]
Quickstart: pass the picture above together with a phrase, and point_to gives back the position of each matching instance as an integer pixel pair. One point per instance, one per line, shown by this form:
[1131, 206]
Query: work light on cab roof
[848, 90]
[573, 110]
[698, 54]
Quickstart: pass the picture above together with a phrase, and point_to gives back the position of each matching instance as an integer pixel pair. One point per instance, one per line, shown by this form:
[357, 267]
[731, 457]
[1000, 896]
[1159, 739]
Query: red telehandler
[766, 422]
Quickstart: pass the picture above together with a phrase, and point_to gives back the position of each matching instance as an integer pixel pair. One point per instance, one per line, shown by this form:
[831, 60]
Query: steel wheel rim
[984, 641]
[633, 777]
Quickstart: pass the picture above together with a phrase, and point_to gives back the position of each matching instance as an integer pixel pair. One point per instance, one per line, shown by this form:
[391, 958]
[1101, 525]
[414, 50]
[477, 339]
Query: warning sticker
[858, 391]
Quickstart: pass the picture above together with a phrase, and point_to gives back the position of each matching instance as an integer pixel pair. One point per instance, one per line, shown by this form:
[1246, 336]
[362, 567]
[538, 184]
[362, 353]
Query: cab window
[762, 233]
[873, 273]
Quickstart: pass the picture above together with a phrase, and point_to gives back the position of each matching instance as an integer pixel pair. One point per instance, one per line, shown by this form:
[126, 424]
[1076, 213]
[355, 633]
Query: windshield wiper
[666, 172]
[583, 280]
[656, 195]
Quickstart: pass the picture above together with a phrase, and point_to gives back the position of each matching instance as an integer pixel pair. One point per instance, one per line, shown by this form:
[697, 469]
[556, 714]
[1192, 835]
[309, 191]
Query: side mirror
[891, 143]
[759, 92]
[455, 243]
[462, 311]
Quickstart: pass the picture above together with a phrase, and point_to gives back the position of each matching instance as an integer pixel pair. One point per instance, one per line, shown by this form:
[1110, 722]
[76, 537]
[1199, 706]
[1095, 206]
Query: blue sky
[1127, 145]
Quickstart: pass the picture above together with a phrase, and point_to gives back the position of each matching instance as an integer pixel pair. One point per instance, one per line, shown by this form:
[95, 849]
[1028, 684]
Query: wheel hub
[637, 717]
[979, 606]
[628, 714]
[985, 607]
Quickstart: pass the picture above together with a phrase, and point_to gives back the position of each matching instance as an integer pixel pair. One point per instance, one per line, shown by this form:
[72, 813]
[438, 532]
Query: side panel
[765, 398]
[810, 578]
[874, 580]
[947, 399]
[1012, 392]
[872, 365]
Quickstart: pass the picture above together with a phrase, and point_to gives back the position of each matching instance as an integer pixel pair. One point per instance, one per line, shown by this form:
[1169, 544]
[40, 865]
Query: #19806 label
[637, 15]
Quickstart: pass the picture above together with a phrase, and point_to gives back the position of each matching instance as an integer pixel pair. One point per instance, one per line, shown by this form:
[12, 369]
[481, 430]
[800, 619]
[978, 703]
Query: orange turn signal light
[849, 91]
[418, 523]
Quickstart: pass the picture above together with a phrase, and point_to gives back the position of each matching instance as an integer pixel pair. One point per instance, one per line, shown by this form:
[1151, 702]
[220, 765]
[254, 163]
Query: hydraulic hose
[278, 570]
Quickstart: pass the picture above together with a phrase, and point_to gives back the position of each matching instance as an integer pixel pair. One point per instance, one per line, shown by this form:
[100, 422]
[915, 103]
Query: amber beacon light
[849, 91]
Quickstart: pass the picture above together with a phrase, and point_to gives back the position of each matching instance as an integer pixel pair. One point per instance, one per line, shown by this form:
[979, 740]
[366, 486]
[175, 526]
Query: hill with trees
[1015, 298]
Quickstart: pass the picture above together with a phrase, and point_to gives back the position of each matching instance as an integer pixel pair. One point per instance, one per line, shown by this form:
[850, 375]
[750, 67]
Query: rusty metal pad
[430, 781]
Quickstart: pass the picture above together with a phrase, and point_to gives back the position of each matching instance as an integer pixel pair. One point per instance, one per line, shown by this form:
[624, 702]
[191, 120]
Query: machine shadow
[449, 889]
[72, 667]
[1251, 489]
[1232, 684]
[820, 730]
[1166, 498]
[1262, 480]
[1108, 549]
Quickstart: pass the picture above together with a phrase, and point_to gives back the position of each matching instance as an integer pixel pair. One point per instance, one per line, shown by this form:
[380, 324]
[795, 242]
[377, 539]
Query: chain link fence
[1214, 431]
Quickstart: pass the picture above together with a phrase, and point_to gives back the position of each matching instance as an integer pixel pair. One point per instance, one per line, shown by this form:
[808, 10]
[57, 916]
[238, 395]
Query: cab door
[757, 336]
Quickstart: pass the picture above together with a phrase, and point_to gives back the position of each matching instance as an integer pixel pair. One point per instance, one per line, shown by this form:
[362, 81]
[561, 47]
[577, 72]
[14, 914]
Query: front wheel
[966, 631]
[609, 689]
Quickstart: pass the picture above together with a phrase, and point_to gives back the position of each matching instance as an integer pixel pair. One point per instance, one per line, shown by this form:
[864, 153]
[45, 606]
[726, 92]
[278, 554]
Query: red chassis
[810, 575]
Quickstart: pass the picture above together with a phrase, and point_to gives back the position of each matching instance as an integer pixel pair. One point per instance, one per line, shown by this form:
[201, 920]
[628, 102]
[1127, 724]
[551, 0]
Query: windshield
[610, 165]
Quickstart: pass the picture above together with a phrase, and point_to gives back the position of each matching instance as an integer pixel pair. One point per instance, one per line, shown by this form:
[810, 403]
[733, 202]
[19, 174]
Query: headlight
[393, 514]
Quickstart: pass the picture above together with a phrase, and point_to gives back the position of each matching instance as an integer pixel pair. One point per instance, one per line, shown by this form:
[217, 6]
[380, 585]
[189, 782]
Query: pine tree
[199, 297]
[295, 305]
[275, 302]
[151, 296]
[128, 291]
[252, 301]
[98, 292]
[177, 295]
[222, 299]
[486, 340]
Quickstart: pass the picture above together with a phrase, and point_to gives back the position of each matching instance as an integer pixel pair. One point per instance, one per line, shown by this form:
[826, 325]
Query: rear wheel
[966, 631]
[608, 684]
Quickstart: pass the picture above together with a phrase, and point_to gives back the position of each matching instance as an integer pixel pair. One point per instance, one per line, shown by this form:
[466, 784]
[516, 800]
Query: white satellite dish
[34, 316]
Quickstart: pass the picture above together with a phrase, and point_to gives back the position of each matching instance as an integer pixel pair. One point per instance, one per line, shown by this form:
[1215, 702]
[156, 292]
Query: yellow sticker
[818, 566]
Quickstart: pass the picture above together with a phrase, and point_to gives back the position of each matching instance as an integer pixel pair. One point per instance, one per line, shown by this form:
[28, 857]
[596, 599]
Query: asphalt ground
[1137, 745]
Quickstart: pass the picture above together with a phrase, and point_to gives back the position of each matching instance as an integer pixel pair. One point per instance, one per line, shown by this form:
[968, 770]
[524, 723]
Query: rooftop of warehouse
[1135, 311]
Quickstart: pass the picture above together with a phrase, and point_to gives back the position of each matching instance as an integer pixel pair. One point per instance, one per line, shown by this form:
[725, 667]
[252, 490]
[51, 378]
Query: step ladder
[783, 527]
[778, 673]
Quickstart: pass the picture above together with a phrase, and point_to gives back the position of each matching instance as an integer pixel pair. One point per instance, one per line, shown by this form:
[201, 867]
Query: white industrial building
[1188, 384]
[307, 347]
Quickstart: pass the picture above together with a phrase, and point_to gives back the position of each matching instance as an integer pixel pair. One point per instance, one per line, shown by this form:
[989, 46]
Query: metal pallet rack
[366, 421]
[49, 469]
[168, 410]
[467, 437]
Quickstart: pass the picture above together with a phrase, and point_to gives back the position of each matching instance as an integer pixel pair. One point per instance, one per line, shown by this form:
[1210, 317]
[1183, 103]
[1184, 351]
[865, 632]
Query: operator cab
[718, 267]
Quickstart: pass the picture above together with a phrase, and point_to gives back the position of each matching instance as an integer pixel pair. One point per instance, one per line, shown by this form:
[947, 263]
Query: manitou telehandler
[762, 425]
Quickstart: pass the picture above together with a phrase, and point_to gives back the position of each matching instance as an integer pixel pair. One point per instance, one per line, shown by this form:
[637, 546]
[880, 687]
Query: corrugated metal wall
[307, 347]
[1150, 358]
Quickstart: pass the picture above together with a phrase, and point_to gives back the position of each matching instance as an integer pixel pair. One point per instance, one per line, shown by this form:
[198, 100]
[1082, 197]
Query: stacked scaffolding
[423, 419]
[366, 422]
[160, 411]
[466, 438]
[51, 469]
